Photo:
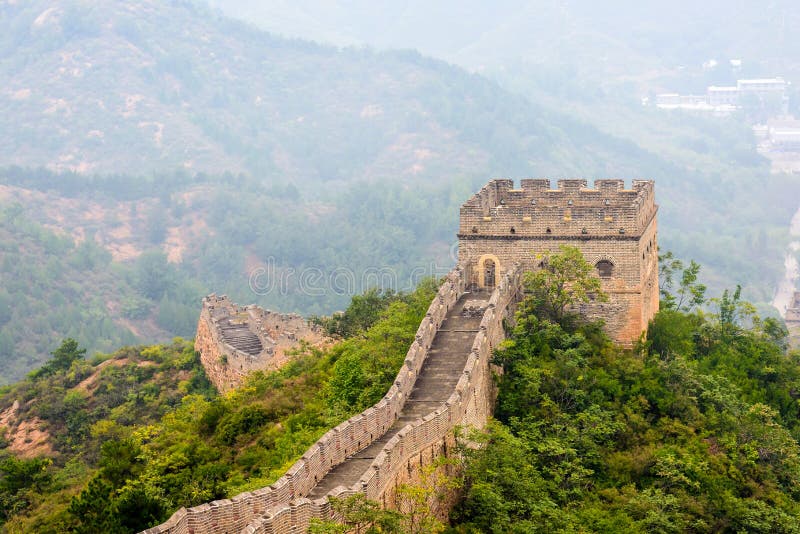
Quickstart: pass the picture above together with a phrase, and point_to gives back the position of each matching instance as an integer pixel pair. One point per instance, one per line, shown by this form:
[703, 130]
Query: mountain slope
[340, 166]
[144, 85]
[125, 439]
[623, 38]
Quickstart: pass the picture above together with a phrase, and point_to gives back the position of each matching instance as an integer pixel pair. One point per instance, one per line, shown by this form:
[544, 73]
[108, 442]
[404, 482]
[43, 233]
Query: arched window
[605, 268]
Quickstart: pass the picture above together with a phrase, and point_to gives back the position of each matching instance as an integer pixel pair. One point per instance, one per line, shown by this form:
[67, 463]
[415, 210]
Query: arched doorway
[488, 273]
[488, 270]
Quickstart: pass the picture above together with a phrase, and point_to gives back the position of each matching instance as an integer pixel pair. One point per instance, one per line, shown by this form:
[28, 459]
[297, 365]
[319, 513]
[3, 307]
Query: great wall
[446, 380]
[408, 428]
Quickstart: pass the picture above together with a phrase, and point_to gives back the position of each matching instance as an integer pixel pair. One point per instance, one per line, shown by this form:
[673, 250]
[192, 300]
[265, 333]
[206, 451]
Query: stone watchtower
[614, 227]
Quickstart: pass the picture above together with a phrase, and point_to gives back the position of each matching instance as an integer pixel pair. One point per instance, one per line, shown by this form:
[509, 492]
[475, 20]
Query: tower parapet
[573, 209]
[614, 227]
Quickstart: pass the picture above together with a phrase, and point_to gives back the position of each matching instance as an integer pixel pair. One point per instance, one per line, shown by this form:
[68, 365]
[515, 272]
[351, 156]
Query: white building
[723, 95]
[762, 87]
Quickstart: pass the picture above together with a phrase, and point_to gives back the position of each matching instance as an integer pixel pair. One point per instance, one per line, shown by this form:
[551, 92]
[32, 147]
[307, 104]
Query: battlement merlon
[536, 209]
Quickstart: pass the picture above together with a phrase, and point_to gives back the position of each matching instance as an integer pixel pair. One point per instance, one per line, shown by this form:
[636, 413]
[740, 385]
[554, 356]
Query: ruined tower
[614, 227]
[234, 340]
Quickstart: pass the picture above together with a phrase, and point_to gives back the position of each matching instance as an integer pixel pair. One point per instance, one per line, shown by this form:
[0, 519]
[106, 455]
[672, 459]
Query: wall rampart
[422, 441]
[282, 507]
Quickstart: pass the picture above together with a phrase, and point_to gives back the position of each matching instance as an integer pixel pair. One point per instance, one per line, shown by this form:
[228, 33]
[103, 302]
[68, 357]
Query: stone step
[434, 385]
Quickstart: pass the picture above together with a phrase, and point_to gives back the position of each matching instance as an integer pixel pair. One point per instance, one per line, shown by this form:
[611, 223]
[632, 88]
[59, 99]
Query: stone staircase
[445, 381]
[240, 337]
[437, 379]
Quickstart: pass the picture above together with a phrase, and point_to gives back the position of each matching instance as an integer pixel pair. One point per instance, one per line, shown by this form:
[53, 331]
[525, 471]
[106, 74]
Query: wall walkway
[445, 381]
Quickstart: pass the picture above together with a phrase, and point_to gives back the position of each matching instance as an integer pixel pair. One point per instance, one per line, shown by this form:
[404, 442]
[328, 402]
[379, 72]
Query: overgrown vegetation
[140, 434]
[414, 515]
[693, 431]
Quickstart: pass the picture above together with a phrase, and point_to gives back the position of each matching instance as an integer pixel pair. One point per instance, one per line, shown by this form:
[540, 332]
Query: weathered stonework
[501, 224]
[284, 506]
[615, 229]
[793, 321]
[234, 341]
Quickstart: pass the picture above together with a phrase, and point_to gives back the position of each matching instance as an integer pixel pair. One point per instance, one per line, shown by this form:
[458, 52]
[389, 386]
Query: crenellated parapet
[614, 226]
[285, 506]
[607, 210]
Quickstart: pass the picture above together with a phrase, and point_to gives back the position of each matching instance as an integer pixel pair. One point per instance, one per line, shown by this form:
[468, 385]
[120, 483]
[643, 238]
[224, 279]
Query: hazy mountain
[349, 159]
[110, 86]
[620, 38]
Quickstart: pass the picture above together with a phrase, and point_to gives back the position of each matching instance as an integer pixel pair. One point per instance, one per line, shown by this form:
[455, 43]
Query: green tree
[362, 313]
[92, 510]
[62, 359]
[564, 279]
[417, 502]
[19, 481]
[358, 515]
[154, 276]
[732, 313]
[689, 292]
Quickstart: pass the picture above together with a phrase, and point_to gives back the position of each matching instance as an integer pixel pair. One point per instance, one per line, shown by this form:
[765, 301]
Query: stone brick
[501, 225]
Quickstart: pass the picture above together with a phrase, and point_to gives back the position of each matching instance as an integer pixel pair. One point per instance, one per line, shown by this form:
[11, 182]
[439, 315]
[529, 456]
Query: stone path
[437, 380]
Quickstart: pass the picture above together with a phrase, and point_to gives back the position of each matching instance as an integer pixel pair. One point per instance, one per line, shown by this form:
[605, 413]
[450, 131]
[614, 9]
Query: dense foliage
[563, 281]
[694, 431]
[140, 434]
[82, 408]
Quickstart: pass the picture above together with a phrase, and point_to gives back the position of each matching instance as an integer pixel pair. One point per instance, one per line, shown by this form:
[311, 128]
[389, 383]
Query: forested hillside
[193, 151]
[696, 430]
[141, 85]
[118, 442]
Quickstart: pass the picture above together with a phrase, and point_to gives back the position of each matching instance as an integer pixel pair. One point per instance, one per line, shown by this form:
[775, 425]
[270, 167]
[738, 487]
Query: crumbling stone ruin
[446, 380]
[235, 340]
[792, 319]
[615, 228]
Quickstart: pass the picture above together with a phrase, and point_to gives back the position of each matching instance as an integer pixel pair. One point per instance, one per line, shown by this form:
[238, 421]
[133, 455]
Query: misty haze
[409, 267]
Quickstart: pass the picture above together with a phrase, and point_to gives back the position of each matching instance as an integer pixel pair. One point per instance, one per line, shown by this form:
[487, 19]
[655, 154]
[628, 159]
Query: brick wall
[282, 507]
[608, 222]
